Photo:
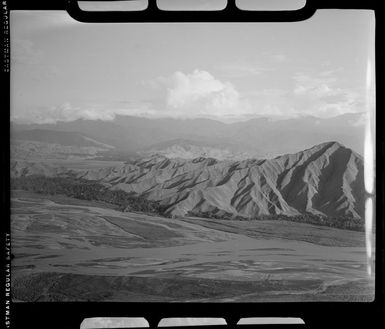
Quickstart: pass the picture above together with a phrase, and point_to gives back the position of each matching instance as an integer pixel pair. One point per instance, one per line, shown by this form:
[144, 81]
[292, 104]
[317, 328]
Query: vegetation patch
[86, 190]
[342, 222]
[89, 190]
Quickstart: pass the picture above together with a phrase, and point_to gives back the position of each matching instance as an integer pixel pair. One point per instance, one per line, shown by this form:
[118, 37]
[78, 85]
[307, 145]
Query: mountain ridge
[325, 180]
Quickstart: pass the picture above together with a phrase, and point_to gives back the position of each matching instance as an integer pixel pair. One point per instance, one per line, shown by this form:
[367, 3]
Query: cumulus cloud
[200, 93]
[187, 89]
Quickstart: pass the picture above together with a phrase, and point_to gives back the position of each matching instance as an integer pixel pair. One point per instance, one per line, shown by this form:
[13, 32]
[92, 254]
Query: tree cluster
[86, 190]
[342, 222]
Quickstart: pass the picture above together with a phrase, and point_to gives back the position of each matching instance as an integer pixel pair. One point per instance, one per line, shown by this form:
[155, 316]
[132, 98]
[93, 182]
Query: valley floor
[74, 250]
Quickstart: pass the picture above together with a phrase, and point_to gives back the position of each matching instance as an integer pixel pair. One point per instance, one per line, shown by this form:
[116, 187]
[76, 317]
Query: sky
[63, 70]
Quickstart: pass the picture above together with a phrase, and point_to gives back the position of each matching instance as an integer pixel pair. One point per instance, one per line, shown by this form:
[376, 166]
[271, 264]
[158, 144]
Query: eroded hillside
[326, 179]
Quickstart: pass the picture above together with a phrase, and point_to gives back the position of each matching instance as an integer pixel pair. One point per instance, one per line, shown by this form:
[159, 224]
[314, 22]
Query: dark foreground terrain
[42, 287]
[76, 250]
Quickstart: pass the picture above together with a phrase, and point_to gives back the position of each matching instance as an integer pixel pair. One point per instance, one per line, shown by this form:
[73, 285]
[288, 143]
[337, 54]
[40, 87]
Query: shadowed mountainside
[326, 179]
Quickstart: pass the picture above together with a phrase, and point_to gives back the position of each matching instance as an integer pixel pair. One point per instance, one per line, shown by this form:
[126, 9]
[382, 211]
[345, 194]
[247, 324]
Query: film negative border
[314, 314]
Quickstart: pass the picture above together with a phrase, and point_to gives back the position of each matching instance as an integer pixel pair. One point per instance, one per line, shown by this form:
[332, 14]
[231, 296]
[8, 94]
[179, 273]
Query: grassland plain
[69, 249]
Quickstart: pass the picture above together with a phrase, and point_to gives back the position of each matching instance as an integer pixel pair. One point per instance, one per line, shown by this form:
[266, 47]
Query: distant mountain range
[64, 138]
[50, 144]
[327, 179]
[173, 138]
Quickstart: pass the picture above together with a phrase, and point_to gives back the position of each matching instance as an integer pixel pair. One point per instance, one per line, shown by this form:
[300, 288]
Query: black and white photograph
[193, 162]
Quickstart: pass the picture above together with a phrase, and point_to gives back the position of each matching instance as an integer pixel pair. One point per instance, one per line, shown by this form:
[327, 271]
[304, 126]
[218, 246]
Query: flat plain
[76, 250]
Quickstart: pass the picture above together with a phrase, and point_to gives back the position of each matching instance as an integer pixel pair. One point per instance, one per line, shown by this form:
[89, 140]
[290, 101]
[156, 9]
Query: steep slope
[326, 179]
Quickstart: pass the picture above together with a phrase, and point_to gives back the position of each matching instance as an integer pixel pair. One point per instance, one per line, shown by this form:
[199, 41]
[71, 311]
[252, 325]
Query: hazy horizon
[270, 118]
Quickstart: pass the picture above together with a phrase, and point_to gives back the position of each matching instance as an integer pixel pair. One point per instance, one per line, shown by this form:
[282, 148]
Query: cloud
[187, 89]
[320, 95]
[270, 102]
[318, 86]
[67, 112]
[181, 95]
[322, 90]
[199, 93]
